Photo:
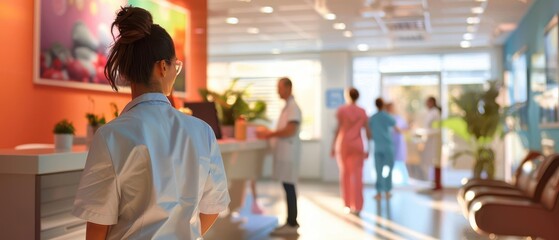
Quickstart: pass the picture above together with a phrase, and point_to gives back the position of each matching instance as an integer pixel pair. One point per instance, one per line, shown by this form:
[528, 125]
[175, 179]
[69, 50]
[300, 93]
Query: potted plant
[232, 106]
[478, 125]
[63, 135]
[94, 121]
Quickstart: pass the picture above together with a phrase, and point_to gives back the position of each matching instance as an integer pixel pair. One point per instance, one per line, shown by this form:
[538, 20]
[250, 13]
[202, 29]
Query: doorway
[408, 92]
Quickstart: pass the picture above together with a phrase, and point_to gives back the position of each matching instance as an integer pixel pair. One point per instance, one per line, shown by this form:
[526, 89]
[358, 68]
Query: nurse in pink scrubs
[348, 149]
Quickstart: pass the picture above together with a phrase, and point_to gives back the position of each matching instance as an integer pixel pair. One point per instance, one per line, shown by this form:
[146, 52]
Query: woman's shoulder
[192, 122]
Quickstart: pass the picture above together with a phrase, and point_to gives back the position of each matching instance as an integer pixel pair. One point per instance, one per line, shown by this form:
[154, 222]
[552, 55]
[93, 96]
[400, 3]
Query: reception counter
[39, 185]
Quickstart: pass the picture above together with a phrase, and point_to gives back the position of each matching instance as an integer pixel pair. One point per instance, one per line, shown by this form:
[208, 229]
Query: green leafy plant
[478, 125]
[64, 127]
[114, 108]
[95, 120]
[230, 104]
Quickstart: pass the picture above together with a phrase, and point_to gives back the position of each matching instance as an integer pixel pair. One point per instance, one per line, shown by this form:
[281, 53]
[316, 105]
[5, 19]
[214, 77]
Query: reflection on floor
[409, 214]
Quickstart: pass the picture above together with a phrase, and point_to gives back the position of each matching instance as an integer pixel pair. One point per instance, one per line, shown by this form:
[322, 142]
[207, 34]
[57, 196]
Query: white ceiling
[300, 25]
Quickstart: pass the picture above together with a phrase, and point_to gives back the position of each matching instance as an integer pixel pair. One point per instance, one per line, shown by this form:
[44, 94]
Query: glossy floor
[409, 214]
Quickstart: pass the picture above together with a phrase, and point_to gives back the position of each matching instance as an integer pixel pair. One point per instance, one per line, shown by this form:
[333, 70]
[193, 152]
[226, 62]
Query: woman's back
[351, 120]
[159, 169]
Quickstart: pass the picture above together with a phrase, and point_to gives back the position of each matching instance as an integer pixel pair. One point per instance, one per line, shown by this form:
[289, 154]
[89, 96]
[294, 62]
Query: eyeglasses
[178, 66]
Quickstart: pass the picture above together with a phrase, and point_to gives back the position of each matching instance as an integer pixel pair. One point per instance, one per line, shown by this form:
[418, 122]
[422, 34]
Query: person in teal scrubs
[382, 124]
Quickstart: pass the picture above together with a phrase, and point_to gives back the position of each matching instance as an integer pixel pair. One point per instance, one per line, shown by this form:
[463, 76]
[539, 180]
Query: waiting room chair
[502, 215]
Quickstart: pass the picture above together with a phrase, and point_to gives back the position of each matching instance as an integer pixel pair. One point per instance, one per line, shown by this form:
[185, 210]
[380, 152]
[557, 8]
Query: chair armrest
[482, 182]
[512, 216]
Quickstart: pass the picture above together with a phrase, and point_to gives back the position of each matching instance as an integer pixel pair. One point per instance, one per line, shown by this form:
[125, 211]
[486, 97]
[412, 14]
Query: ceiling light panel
[232, 20]
[267, 9]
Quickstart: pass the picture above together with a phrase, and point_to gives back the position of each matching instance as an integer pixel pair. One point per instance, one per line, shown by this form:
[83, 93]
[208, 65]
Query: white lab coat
[431, 154]
[150, 172]
[287, 151]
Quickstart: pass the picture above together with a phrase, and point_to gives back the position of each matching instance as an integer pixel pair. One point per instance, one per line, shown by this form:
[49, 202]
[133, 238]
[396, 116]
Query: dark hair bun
[133, 24]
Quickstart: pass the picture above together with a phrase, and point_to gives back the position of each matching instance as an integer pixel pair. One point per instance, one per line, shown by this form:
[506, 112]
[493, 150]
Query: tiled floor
[409, 214]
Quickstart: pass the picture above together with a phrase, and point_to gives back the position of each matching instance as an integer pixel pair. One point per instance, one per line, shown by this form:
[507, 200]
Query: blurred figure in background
[431, 154]
[349, 151]
[287, 153]
[255, 207]
[381, 124]
[400, 147]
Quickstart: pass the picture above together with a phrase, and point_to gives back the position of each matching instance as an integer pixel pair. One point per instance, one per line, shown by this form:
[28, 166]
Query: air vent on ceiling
[405, 24]
[410, 38]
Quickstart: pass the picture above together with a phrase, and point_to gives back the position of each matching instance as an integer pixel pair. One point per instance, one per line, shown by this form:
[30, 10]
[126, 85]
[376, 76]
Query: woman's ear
[163, 68]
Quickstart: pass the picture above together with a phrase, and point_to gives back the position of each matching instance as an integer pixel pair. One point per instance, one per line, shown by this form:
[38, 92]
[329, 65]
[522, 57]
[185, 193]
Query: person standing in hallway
[381, 125]
[400, 147]
[286, 147]
[348, 149]
[431, 154]
[153, 172]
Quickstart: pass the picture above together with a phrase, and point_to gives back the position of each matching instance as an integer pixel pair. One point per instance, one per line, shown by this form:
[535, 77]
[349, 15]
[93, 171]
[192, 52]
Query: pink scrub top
[351, 120]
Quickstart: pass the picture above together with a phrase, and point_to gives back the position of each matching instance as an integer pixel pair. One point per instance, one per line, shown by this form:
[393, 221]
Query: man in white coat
[286, 152]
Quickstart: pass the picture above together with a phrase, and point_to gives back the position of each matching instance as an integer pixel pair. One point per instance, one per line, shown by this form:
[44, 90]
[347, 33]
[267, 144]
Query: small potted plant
[231, 106]
[63, 135]
[94, 121]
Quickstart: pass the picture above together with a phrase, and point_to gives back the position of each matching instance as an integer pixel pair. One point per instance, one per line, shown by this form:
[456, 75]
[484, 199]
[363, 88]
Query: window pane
[413, 63]
[466, 61]
[261, 79]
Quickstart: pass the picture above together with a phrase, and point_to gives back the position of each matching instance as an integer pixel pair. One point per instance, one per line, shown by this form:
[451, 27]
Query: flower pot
[240, 131]
[90, 132]
[63, 142]
[227, 131]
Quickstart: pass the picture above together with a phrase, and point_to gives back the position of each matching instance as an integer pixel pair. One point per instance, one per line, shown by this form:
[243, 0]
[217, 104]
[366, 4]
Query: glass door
[408, 93]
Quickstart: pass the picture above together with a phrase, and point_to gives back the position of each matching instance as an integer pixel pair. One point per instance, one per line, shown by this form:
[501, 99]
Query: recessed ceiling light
[267, 9]
[339, 26]
[232, 20]
[477, 10]
[465, 44]
[481, 0]
[244, 0]
[276, 51]
[473, 20]
[363, 47]
[253, 30]
[348, 34]
[330, 16]
[471, 28]
[468, 36]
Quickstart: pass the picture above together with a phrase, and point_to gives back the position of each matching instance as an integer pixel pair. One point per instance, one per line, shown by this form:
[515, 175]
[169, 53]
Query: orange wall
[29, 111]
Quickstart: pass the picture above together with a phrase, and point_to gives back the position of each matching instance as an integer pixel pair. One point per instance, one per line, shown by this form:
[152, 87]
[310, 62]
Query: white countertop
[44, 161]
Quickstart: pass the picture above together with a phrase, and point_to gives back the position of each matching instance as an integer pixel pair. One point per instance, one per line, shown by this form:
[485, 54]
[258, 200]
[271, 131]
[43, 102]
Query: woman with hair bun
[153, 172]
[349, 151]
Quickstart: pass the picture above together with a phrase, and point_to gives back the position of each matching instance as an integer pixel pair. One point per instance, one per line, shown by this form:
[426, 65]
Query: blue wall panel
[530, 34]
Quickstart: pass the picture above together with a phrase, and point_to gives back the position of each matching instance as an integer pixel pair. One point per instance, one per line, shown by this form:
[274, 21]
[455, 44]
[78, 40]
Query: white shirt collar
[146, 97]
